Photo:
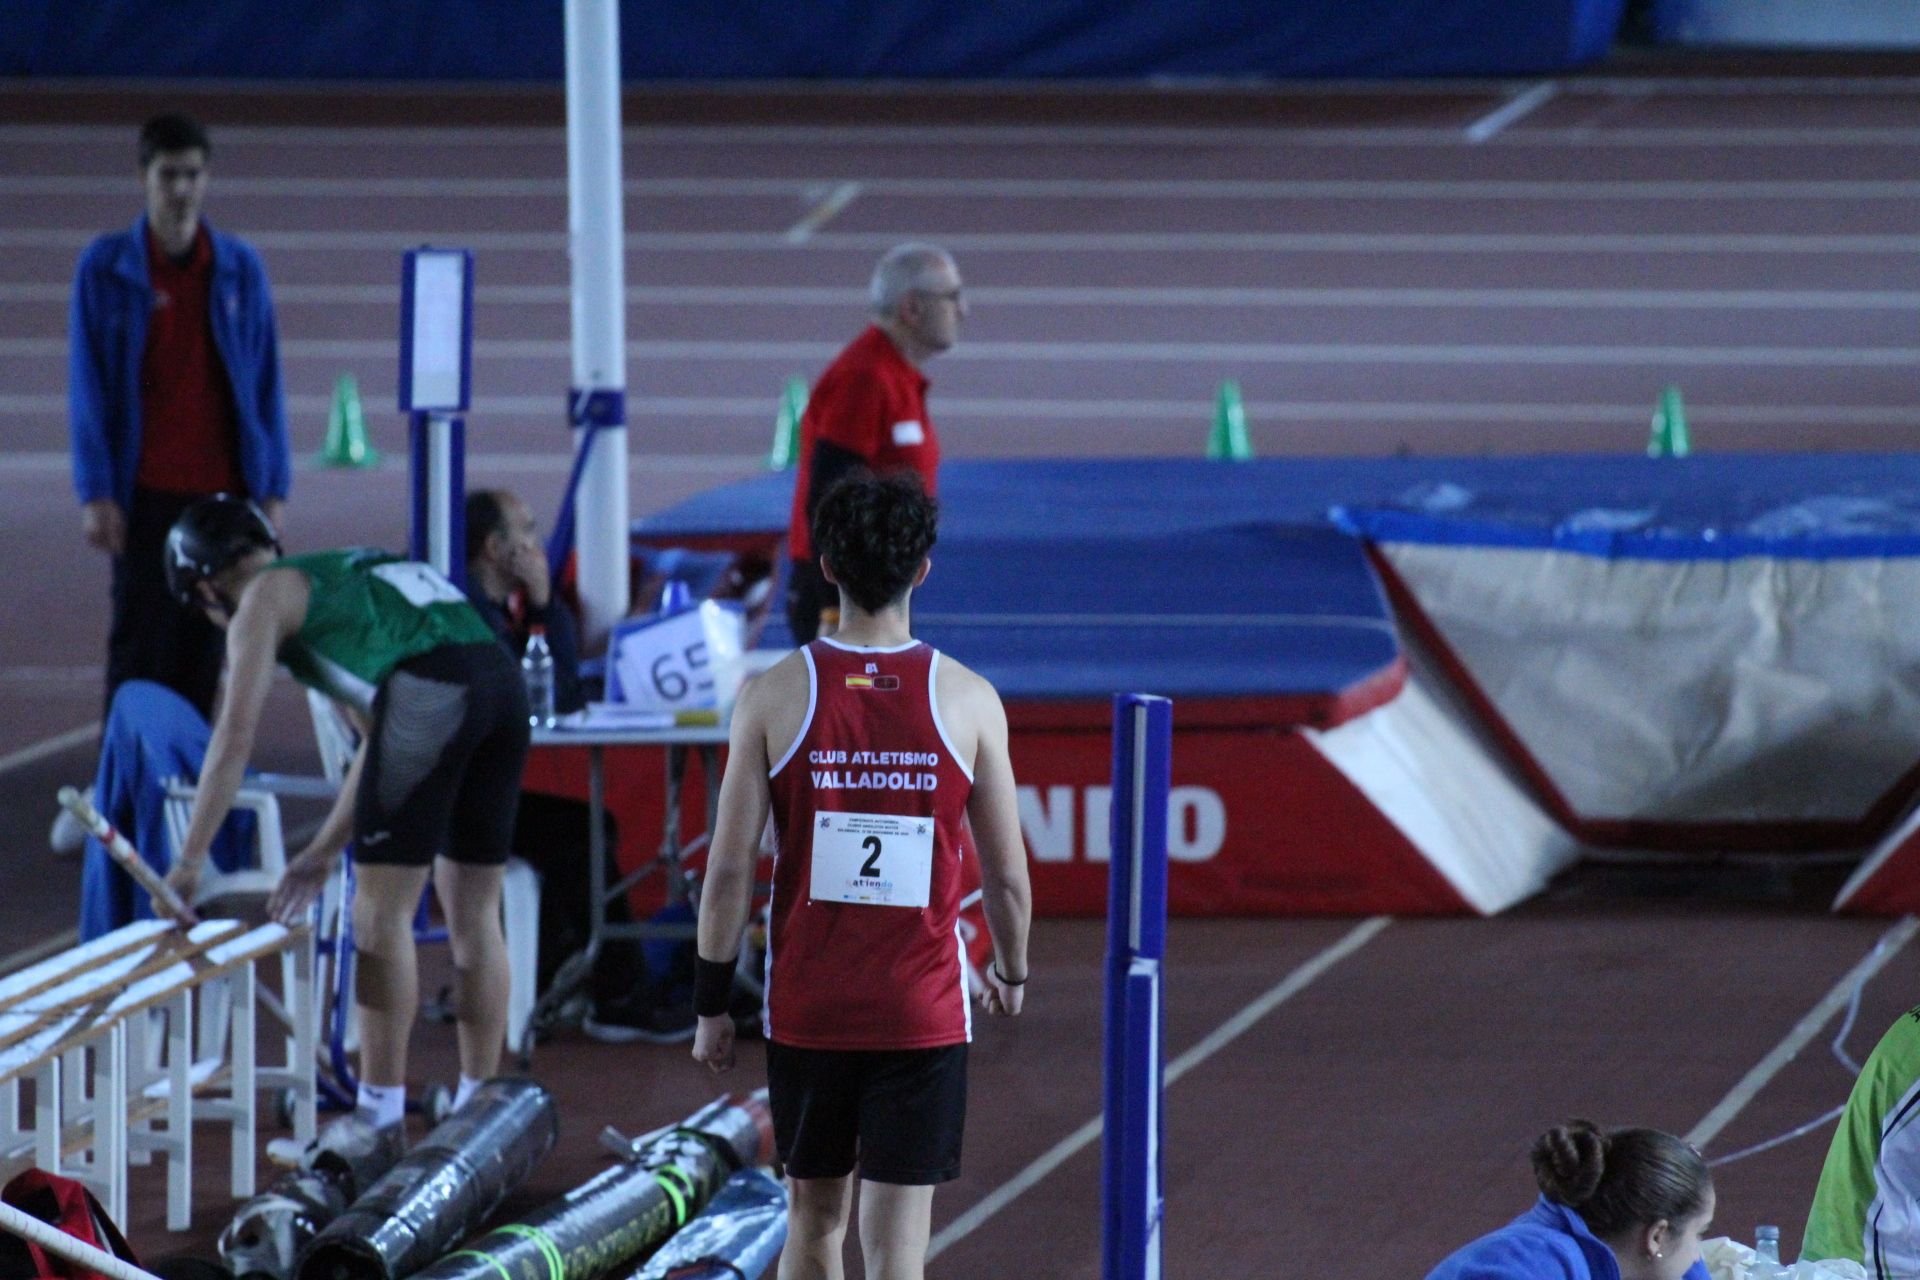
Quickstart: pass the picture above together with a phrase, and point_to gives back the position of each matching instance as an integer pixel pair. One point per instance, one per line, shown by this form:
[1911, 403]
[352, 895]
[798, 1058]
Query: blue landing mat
[1067, 578]
[1243, 613]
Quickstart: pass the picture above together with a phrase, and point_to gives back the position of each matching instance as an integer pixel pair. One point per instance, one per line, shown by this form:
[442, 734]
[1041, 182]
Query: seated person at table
[510, 587]
[1864, 1207]
[152, 734]
[1626, 1203]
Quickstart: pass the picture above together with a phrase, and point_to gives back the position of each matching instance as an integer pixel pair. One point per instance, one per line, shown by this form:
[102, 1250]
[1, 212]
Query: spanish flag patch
[873, 682]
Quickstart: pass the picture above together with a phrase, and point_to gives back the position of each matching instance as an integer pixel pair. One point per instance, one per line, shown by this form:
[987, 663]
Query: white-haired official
[868, 411]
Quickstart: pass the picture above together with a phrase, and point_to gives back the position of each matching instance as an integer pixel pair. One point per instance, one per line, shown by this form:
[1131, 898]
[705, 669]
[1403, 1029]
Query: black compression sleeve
[712, 985]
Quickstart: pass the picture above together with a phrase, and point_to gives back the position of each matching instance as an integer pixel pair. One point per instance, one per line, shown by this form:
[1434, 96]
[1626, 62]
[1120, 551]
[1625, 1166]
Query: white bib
[873, 859]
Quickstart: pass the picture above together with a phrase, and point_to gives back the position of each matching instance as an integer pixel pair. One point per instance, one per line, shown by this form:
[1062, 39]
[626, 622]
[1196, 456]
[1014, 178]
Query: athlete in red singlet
[873, 754]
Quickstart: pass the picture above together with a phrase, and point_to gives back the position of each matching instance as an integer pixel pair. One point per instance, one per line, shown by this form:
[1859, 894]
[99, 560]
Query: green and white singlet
[367, 612]
[1867, 1204]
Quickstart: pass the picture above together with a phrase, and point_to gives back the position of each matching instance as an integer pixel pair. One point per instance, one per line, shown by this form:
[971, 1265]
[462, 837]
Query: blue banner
[826, 39]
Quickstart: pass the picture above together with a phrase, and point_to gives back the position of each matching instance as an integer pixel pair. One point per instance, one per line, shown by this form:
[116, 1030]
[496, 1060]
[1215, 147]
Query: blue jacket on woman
[1547, 1242]
[107, 339]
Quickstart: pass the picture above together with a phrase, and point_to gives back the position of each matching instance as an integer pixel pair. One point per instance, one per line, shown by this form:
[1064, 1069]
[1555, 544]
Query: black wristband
[712, 986]
[1005, 979]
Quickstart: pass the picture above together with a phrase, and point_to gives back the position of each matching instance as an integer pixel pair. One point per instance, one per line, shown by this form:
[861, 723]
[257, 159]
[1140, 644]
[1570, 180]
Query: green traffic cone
[1229, 438]
[1669, 437]
[786, 424]
[347, 444]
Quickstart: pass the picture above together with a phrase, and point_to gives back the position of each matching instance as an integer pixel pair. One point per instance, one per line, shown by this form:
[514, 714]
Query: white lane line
[1056, 242]
[838, 198]
[1160, 620]
[1294, 983]
[277, 138]
[1515, 108]
[814, 297]
[29, 674]
[812, 353]
[1484, 189]
[1803, 1031]
[1037, 411]
[721, 464]
[1125, 137]
[47, 747]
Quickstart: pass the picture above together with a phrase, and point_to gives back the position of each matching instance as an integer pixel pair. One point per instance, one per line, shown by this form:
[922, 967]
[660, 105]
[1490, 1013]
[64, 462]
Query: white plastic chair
[337, 742]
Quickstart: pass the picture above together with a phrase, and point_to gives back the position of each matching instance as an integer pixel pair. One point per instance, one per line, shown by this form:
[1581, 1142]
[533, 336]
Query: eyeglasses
[942, 295]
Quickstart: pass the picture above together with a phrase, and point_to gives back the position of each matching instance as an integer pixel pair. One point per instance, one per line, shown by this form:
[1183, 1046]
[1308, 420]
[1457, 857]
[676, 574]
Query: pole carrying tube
[442, 1189]
[629, 1209]
[270, 1231]
[596, 230]
[1130, 1189]
[739, 1233]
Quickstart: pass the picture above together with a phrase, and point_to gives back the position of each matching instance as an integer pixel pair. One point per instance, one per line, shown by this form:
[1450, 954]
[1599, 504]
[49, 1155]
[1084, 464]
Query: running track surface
[1383, 268]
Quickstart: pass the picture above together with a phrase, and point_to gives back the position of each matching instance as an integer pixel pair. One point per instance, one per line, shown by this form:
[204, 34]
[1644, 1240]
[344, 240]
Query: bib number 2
[872, 859]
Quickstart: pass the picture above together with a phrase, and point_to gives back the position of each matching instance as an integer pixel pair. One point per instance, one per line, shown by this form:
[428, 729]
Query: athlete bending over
[444, 720]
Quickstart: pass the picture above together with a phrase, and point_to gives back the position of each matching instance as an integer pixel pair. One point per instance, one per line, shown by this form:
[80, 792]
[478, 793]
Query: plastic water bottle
[1766, 1254]
[536, 668]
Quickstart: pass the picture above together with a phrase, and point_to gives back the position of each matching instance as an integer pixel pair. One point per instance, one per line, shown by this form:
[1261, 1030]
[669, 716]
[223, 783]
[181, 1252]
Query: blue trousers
[152, 734]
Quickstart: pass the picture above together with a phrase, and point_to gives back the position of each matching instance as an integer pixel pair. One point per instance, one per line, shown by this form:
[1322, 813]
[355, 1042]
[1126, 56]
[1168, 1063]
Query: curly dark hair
[873, 532]
[1620, 1179]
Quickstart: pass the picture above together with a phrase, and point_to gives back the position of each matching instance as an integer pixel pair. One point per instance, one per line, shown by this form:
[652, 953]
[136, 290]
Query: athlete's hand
[184, 879]
[104, 525]
[1001, 998]
[713, 1044]
[299, 885]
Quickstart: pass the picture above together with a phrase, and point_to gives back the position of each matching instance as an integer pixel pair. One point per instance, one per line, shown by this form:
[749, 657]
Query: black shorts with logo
[896, 1114]
[448, 743]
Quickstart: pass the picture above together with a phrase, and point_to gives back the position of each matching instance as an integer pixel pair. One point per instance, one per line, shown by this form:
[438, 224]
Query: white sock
[460, 1095]
[382, 1104]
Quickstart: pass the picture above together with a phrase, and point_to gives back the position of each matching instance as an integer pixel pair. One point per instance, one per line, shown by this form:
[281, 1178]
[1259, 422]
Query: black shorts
[448, 743]
[897, 1114]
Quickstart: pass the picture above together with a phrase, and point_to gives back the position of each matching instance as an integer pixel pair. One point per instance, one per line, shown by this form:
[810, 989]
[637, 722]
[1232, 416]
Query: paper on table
[618, 715]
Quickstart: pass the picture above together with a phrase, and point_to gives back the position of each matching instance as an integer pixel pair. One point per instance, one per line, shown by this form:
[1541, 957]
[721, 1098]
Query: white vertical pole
[439, 494]
[110, 1118]
[180, 1112]
[596, 239]
[246, 1090]
[47, 1117]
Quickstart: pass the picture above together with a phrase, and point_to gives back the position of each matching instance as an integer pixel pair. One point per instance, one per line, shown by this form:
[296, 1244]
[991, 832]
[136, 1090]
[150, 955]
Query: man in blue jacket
[173, 394]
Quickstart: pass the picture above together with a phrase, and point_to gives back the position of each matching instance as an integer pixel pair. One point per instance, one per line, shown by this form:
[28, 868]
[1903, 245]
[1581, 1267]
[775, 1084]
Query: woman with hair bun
[1624, 1204]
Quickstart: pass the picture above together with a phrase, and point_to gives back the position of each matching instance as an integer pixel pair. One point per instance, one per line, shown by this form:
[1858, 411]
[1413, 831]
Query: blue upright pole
[437, 532]
[1131, 1200]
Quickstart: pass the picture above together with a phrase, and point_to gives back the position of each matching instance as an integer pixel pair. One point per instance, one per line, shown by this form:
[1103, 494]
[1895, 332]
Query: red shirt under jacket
[189, 434]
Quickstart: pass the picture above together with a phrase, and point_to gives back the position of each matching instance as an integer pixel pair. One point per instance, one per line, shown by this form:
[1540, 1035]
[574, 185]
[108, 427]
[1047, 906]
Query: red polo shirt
[871, 401]
[189, 433]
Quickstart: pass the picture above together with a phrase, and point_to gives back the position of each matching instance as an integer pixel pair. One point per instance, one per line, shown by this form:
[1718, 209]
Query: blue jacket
[107, 338]
[1547, 1242]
